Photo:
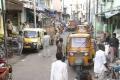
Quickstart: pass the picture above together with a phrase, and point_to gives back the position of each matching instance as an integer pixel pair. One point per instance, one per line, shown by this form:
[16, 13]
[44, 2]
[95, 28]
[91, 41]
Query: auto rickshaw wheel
[38, 48]
[41, 47]
[69, 64]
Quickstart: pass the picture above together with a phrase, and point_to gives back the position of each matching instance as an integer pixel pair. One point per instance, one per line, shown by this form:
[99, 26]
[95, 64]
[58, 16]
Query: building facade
[13, 11]
[107, 15]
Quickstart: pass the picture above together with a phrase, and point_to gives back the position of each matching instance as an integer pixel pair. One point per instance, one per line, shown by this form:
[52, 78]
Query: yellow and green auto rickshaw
[33, 38]
[79, 49]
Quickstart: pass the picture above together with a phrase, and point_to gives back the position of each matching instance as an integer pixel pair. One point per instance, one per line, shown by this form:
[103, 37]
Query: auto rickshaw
[72, 25]
[79, 49]
[33, 38]
[83, 29]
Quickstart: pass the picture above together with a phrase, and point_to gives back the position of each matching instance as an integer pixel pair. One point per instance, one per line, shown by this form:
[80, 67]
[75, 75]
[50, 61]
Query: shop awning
[110, 14]
[14, 5]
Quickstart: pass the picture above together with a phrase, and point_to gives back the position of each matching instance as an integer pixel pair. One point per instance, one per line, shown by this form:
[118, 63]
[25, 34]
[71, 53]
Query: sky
[67, 4]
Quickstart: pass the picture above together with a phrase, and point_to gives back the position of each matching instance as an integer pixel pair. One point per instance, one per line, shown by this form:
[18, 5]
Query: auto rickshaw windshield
[79, 42]
[30, 34]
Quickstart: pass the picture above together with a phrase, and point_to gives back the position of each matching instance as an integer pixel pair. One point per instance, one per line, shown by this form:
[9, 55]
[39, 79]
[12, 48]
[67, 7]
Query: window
[30, 34]
[79, 42]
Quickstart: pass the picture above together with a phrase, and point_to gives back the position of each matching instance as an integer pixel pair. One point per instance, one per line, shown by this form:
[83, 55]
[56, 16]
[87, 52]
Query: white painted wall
[116, 3]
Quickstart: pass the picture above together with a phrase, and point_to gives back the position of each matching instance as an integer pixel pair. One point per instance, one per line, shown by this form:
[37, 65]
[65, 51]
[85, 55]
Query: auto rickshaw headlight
[86, 54]
[71, 54]
[34, 43]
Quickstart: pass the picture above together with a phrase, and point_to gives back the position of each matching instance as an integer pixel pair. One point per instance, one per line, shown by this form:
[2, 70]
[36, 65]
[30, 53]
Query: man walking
[60, 48]
[46, 43]
[100, 63]
[114, 44]
[59, 69]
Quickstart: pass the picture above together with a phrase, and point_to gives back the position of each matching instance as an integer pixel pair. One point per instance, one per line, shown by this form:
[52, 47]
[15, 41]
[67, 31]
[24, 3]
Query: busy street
[59, 39]
[38, 66]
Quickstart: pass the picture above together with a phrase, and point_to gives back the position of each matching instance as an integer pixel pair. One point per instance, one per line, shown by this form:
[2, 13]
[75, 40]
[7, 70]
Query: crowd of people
[59, 67]
[106, 54]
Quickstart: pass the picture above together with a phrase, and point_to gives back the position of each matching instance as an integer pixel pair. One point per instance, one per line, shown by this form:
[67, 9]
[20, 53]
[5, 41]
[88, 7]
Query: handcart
[5, 70]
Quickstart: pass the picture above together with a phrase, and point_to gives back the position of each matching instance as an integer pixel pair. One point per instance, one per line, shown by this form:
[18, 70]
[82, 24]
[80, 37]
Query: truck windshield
[30, 34]
[79, 42]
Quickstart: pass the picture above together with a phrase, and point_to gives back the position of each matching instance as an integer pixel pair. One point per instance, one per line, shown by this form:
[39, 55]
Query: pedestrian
[100, 63]
[9, 28]
[114, 44]
[107, 37]
[60, 48]
[57, 36]
[59, 69]
[107, 51]
[111, 54]
[27, 25]
[20, 28]
[46, 44]
[107, 48]
[60, 45]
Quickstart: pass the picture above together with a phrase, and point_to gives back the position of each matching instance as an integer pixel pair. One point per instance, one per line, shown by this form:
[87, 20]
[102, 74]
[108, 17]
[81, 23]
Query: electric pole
[89, 10]
[34, 5]
[71, 11]
[5, 29]
[97, 7]
[63, 9]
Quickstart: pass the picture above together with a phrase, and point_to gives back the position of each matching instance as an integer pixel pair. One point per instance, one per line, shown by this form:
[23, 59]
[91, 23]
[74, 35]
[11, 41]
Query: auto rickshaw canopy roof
[79, 35]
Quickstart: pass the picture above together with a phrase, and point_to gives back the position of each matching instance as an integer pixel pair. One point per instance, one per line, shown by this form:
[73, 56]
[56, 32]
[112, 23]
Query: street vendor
[9, 27]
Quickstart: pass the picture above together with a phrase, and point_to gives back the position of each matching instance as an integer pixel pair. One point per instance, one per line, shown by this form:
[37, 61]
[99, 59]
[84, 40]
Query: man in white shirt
[46, 44]
[59, 69]
[100, 63]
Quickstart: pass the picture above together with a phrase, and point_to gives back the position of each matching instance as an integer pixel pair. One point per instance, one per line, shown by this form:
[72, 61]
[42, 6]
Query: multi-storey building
[107, 15]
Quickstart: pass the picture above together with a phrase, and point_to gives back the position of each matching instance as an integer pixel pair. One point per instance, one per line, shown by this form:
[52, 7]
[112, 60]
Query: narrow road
[37, 67]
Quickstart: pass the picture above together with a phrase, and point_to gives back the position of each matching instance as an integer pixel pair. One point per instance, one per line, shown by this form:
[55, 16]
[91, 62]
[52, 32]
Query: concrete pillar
[23, 15]
[1, 25]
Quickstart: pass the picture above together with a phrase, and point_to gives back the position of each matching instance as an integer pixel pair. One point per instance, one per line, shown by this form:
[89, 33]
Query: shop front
[13, 11]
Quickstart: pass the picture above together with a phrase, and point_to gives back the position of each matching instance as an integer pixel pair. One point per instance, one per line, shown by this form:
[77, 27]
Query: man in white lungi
[59, 69]
[46, 44]
[100, 63]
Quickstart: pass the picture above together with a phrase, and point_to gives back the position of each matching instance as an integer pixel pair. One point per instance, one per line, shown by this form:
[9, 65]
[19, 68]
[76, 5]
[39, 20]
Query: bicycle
[114, 73]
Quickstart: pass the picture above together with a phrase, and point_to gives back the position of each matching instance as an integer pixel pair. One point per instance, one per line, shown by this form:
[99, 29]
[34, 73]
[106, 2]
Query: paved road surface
[37, 67]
